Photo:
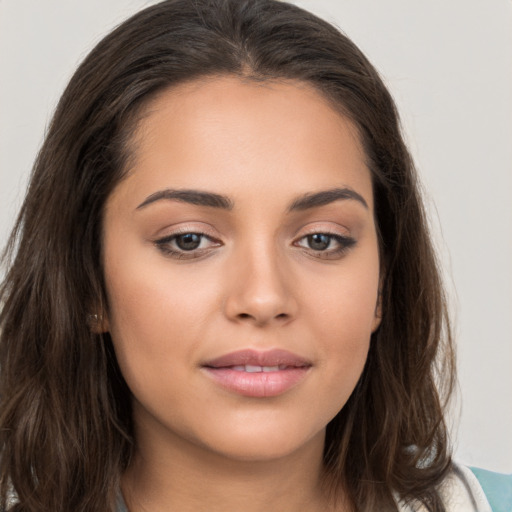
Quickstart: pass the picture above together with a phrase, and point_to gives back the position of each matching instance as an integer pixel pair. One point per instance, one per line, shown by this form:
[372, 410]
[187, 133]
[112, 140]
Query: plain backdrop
[448, 64]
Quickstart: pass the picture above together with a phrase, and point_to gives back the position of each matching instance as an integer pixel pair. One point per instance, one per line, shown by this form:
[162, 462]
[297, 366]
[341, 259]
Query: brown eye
[319, 241]
[188, 241]
[188, 245]
[326, 245]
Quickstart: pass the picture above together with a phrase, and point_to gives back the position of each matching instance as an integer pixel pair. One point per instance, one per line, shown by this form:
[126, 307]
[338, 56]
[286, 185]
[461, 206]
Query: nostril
[245, 316]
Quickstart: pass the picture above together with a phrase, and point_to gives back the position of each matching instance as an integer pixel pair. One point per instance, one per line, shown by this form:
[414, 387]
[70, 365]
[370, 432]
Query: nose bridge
[259, 283]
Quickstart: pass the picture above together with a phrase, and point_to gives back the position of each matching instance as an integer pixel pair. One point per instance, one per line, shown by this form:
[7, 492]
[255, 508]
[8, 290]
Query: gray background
[449, 65]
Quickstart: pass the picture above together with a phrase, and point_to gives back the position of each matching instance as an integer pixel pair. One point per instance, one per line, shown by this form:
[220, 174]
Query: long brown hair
[65, 414]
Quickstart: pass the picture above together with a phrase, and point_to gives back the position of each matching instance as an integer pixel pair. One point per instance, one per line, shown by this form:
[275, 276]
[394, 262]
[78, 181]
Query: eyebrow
[196, 197]
[213, 200]
[324, 197]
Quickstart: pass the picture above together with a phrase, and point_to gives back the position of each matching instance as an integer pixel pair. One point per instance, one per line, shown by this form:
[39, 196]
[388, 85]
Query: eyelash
[345, 243]
[164, 245]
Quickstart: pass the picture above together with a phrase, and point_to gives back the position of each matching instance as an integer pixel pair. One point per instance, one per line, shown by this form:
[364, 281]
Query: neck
[188, 478]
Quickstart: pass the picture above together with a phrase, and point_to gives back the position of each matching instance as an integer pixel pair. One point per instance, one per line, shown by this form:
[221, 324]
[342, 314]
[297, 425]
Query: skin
[254, 282]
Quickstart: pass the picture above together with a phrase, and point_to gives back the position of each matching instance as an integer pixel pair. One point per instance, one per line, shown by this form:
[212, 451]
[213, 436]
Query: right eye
[186, 245]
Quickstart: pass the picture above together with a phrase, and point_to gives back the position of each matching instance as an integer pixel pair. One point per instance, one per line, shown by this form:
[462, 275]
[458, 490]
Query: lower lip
[257, 384]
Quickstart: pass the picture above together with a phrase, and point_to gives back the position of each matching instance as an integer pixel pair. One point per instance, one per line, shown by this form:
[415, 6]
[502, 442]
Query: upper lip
[274, 357]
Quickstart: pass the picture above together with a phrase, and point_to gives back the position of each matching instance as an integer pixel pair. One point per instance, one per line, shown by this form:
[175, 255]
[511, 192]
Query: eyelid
[163, 242]
[327, 228]
[344, 241]
[187, 227]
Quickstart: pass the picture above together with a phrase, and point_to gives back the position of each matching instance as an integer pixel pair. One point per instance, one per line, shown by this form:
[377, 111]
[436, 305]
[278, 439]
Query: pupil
[188, 242]
[318, 241]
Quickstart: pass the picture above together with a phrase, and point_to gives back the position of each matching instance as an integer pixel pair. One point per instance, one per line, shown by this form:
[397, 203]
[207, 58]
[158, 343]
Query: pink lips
[258, 374]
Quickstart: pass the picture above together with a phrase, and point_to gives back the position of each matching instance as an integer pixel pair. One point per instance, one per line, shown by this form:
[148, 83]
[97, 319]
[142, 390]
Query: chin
[263, 445]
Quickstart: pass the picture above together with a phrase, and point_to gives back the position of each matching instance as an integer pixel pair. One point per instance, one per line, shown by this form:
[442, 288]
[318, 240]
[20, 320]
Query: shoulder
[497, 488]
[472, 490]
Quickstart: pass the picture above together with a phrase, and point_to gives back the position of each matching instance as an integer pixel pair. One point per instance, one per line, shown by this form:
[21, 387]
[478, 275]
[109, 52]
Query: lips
[258, 374]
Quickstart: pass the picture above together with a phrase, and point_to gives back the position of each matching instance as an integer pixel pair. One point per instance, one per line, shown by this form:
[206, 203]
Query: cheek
[154, 327]
[153, 306]
[343, 315]
[346, 304]
[158, 313]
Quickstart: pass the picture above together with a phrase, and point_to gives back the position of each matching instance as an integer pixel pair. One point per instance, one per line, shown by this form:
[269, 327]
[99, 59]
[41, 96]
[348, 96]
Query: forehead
[233, 134]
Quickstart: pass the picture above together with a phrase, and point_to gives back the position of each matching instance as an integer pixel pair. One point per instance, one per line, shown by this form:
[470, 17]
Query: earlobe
[98, 323]
[376, 320]
[377, 317]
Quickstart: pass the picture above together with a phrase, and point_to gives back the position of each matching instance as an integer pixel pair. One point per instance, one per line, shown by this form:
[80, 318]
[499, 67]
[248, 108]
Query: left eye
[319, 241]
[326, 243]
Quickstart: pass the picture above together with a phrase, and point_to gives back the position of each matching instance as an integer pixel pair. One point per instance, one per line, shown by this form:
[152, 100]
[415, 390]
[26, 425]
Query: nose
[260, 289]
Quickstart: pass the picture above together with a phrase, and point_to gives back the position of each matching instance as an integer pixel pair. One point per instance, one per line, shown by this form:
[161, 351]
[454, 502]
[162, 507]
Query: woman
[222, 275]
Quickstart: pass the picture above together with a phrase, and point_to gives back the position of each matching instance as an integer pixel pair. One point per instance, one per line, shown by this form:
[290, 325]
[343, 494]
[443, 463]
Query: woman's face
[242, 269]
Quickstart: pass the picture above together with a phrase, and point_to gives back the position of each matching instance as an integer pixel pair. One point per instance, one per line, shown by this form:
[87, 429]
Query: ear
[377, 318]
[98, 323]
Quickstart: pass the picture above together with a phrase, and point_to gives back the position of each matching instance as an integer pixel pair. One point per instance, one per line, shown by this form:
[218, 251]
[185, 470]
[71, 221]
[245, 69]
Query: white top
[461, 492]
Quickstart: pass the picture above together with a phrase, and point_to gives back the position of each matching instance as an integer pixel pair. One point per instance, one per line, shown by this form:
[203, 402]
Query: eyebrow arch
[316, 199]
[196, 197]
